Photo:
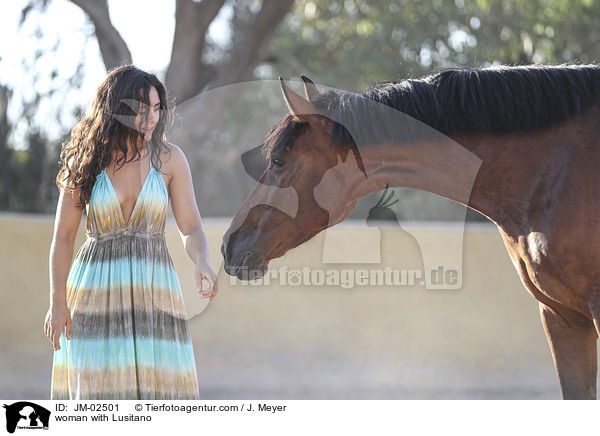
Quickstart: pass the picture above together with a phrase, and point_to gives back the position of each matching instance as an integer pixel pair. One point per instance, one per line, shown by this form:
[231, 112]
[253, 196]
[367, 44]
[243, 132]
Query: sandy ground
[482, 341]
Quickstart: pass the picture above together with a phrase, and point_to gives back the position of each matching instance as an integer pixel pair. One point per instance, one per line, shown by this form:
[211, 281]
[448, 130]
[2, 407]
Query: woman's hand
[204, 271]
[58, 316]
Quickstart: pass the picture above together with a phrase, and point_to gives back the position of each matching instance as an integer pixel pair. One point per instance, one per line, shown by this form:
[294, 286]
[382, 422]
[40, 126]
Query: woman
[125, 335]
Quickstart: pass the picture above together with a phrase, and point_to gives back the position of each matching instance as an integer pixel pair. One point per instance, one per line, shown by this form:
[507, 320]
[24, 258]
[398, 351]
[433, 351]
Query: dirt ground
[482, 341]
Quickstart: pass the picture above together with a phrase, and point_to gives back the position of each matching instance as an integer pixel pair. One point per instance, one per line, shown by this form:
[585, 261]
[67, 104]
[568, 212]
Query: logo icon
[24, 414]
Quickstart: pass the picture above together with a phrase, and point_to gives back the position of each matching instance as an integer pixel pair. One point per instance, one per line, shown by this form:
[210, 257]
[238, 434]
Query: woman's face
[146, 127]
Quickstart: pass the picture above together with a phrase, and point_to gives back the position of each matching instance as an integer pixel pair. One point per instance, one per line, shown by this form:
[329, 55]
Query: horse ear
[310, 89]
[298, 105]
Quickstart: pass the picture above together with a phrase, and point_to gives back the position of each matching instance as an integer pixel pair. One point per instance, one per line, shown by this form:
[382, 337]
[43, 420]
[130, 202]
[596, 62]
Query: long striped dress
[130, 337]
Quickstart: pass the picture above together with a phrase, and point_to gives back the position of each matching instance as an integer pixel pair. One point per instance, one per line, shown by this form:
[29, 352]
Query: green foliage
[349, 44]
[30, 183]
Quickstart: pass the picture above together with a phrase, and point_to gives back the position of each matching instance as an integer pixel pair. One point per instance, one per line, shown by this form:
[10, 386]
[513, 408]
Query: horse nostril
[246, 254]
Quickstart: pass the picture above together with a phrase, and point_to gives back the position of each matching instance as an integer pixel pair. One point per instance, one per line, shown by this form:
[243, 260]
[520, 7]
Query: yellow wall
[481, 341]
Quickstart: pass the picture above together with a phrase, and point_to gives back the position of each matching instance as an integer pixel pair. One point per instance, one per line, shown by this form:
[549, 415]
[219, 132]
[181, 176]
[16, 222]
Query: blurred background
[56, 52]
[219, 60]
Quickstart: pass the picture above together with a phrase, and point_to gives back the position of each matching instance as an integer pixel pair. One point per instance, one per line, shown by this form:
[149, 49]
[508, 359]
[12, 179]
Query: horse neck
[522, 174]
[495, 175]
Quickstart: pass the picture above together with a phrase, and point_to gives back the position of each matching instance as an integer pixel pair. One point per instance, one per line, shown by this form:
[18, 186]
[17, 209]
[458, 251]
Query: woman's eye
[277, 163]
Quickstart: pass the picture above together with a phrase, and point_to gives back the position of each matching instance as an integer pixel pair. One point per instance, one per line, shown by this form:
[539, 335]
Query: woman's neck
[141, 146]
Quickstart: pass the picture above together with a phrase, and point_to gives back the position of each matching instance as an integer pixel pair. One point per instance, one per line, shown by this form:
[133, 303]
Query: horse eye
[277, 162]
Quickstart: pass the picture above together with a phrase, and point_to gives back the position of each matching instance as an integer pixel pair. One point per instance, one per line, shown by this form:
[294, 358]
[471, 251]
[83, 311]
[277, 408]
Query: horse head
[306, 187]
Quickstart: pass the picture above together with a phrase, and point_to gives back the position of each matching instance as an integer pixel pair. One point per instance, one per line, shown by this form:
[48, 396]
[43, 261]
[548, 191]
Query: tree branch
[187, 74]
[113, 48]
[250, 49]
[203, 112]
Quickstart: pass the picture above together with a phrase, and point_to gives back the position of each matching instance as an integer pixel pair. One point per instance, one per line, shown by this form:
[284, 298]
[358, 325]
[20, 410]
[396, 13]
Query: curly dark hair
[106, 127]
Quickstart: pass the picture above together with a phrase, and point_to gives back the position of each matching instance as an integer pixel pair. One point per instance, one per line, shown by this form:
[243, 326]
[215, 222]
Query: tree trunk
[202, 112]
[112, 46]
[187, 73]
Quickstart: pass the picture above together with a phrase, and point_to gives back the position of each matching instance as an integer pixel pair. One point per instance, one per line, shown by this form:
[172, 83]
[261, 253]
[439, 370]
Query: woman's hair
[109, 125]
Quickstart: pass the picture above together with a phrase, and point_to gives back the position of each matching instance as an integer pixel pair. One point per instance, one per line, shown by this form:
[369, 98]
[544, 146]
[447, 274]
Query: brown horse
[521, 145]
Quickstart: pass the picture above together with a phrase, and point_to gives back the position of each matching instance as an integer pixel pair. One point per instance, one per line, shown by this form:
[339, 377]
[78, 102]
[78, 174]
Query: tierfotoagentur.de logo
[26, 415]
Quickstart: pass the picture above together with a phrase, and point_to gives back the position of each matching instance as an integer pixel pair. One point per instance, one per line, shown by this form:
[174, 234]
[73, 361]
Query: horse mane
[495, 100]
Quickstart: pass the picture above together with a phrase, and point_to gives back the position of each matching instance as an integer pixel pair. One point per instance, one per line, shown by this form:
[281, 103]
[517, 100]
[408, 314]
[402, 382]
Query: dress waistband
[127, 231]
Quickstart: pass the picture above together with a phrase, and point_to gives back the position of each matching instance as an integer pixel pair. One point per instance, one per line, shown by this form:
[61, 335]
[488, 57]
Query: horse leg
[573, 346]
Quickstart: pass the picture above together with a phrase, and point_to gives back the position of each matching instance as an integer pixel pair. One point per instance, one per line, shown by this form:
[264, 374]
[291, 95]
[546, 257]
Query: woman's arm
[66, 225]
[185, 211]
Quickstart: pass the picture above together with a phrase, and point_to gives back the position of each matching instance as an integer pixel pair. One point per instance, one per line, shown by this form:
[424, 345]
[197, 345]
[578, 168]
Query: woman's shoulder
[177, 151]
[172, 160]
[177, 157]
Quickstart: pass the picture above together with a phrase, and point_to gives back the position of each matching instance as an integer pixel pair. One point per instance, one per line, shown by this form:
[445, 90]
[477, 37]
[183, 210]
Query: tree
[352, 43]
[25, 175]
[189, 72]
[346, 44]
[6, 153]
[196, 65]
